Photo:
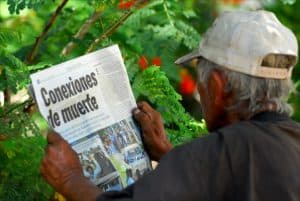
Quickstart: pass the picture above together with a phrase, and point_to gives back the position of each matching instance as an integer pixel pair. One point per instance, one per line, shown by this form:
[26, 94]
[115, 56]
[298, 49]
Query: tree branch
[81, 32]
[109, 31]
[31, 56]
[2, 137]
[12, 109]
[115, 26]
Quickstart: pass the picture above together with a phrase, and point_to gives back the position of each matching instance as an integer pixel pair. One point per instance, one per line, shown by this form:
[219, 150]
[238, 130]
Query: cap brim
[187, 58]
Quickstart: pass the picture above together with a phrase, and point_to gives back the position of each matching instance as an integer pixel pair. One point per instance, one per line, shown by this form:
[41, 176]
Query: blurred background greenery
[35, 34]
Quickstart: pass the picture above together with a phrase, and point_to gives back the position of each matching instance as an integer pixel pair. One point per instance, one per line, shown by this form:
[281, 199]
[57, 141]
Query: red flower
[156, 61]
[143, 62]
[233, 1]
[126, 4]
[187, 84]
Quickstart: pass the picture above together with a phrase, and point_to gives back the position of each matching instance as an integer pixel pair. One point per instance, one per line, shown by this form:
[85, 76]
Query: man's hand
[153, 132]
[62, 170]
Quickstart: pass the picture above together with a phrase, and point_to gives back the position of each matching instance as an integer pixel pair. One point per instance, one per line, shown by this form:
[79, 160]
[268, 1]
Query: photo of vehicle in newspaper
[89, 102]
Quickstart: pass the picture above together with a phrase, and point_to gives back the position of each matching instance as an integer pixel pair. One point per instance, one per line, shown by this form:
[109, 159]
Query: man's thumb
[53, 137]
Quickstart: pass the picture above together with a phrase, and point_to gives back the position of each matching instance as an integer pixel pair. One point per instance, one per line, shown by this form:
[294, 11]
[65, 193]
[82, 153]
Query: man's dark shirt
[256, 160]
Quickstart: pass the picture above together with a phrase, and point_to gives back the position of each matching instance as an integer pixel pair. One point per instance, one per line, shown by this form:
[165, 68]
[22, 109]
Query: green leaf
[288, 1]
[15, 72]
[8, 35]
[15, 6]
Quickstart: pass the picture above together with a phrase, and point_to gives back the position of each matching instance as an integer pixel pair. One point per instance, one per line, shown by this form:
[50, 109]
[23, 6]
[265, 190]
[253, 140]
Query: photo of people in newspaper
[113, 157]
[95, 162]
[114, 183]
[117, 137]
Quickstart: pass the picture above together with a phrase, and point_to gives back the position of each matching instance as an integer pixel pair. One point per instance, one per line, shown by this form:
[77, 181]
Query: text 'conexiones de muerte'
[66, 91]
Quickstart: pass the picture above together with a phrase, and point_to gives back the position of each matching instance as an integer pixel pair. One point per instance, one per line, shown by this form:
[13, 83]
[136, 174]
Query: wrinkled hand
[61, 168]
[60, 164]
[153, 132]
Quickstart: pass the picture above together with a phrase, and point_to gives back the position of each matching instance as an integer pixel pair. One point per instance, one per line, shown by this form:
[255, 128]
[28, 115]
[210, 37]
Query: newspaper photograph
[89, 102]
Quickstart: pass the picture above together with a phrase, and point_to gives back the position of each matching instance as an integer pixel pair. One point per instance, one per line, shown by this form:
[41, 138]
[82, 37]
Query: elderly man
[253, 149]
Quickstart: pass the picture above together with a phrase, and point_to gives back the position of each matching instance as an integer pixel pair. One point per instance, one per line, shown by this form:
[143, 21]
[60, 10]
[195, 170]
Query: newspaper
[88, 100]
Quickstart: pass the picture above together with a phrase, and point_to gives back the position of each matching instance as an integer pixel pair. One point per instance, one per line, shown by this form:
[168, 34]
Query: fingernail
[136, 111]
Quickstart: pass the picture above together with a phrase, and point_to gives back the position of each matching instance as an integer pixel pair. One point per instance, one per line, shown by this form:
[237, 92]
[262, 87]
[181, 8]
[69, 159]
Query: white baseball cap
[240, 40]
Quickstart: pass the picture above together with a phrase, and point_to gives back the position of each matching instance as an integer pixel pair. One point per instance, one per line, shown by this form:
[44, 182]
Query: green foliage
[19, 170]
[20, 156]
[153, 85]
[288, 1]
[294, 100]
[21, 153]
[7, 35]
[15, 6]
[161, 29]
[15, 122]
[14, 75]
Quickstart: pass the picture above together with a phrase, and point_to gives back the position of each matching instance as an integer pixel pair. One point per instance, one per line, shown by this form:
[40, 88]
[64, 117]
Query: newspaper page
[88, 100]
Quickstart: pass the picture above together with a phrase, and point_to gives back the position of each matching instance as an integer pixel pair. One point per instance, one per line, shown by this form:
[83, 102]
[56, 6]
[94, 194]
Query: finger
[42, 168]
[47, 178]
[136, 111]
[47, 147]
[45, 175]
[144, 106]
[52, 150]
[145, 123]
[141, 117]
[53, 137]
[51, 168]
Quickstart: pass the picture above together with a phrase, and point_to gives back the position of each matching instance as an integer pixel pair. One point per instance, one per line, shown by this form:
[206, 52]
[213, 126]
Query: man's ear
[216, 85]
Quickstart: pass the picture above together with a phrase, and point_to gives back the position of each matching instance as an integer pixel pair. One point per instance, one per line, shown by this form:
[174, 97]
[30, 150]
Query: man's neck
[243, 113]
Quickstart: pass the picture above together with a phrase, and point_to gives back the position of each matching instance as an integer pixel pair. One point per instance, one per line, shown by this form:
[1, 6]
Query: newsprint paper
[88, 100]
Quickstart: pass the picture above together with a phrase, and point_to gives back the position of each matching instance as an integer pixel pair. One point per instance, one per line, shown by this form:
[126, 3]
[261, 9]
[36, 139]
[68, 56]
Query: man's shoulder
[239, 136]
[247, 135]
[220, 137]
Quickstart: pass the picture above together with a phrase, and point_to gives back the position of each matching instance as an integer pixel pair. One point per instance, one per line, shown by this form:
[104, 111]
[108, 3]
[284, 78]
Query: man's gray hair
[253, 90]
